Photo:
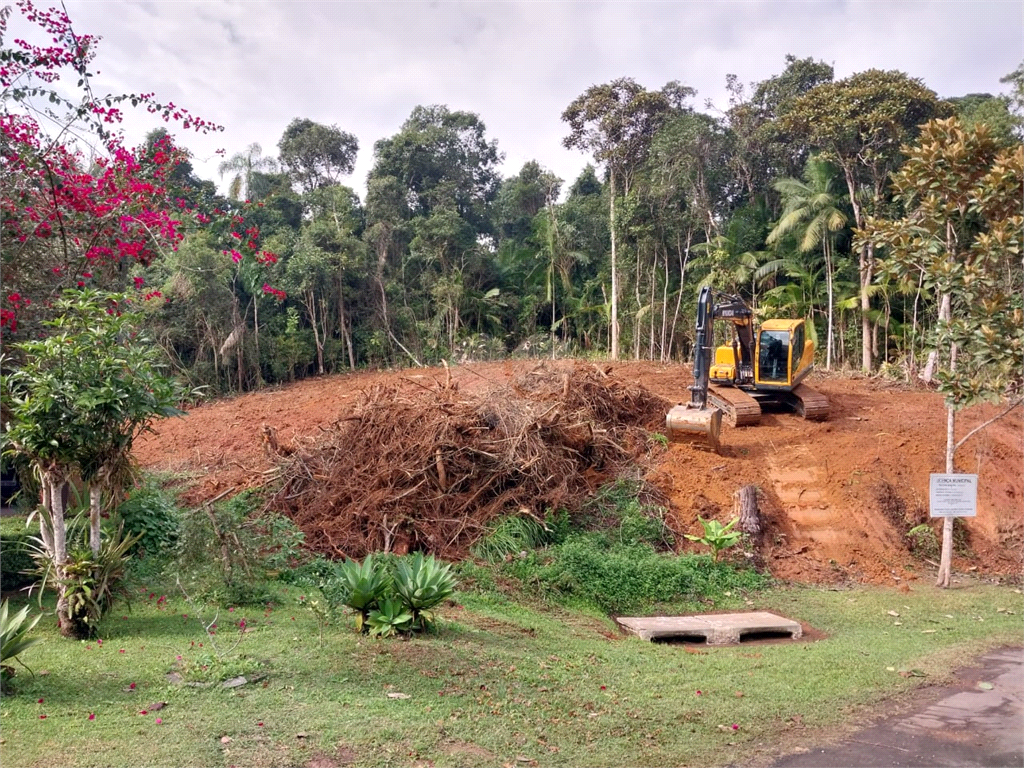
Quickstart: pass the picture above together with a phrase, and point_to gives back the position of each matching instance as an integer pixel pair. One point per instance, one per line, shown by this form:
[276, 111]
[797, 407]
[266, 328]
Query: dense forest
[802, 197]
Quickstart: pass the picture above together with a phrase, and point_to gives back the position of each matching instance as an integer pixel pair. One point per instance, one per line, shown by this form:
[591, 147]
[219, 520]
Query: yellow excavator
[764, 366]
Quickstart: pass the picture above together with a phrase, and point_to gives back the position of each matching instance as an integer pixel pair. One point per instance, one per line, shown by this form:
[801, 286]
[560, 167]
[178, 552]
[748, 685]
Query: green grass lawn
[498, 683]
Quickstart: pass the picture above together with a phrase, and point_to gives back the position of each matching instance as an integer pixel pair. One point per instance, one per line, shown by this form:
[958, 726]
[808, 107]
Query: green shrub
[16, 563]
[152, 515]
[619, 513]
[509, 536]
[619, 578]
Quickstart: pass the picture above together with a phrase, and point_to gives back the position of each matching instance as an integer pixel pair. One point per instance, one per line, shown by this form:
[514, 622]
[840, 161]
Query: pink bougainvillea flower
[260, 724]
[92, 715]
[699, 692]
[603, 687]
[39, 702]
[42, 717]
[158, 721]
[144, 712]
[735, 727]
[120, 650]
[132, 686]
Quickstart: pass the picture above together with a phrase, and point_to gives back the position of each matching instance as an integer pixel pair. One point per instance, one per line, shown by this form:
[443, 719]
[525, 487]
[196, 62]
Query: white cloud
[253, 66]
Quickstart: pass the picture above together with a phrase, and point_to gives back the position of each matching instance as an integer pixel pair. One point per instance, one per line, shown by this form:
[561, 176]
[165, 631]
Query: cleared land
[838, 496]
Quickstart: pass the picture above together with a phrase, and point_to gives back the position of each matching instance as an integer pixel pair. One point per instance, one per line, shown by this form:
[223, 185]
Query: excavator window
[773, 357]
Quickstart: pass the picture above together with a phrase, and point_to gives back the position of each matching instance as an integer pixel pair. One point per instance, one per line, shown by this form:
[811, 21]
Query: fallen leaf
[157, 706]
[301, 735]
[738, 694]
[893, 613]
[226, 739]
[890, 669]
[897, 623]
[928, 631]
[397, 695]
[986, 686]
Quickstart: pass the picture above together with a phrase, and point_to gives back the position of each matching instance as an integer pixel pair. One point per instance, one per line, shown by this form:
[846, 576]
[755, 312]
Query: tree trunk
[747, 511]
[310, 302]
[343, 322]
[684, 257]
[865, 270]
[256, 337]
[946, 557]
[613, 331]
[828, 281]
[865, 309]
[59, 551]
[945, 311]
[95, 499]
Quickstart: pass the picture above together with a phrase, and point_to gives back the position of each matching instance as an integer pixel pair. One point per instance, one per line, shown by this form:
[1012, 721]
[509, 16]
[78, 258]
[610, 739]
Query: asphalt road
[978, 721]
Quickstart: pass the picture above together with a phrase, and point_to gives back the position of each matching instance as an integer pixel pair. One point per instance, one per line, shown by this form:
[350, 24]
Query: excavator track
[809, 403]
[739, 408]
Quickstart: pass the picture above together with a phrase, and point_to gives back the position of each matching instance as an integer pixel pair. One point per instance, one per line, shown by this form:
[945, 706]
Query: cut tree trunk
[745, 507]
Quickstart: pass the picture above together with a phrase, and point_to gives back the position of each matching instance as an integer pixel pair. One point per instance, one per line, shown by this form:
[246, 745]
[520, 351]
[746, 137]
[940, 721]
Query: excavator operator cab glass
[773, 357]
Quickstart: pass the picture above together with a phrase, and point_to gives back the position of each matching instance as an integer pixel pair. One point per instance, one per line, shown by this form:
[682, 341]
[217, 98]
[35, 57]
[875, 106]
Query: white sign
[953, 495]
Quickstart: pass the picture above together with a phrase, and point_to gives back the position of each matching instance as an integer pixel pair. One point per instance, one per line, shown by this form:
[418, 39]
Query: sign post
[953, 495]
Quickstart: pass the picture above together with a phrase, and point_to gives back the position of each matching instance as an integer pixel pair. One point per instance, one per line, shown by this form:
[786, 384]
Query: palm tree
[811, 210]
[242, 165]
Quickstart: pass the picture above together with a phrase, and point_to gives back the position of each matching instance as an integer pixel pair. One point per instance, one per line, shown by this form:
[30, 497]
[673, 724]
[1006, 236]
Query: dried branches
[429, 469]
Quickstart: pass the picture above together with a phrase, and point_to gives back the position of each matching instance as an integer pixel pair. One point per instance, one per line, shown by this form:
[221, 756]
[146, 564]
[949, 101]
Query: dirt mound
[429, 469]
[838, 496]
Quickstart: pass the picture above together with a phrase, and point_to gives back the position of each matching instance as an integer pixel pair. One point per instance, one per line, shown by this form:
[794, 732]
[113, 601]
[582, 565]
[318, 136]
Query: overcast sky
[254, 65]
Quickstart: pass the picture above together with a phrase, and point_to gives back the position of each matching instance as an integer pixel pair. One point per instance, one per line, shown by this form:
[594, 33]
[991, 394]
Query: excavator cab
[784, 354]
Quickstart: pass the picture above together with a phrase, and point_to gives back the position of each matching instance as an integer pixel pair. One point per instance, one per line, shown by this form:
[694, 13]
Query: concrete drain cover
[714, 629]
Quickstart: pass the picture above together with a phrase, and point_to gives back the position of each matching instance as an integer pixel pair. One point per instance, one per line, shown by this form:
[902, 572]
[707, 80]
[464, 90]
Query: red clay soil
[837, 497]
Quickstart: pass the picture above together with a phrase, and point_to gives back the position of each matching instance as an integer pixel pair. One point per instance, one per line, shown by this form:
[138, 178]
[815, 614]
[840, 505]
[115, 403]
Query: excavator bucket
[692, 424]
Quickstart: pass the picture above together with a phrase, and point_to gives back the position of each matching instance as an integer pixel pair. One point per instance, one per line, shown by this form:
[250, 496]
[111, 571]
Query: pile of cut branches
[428, 469]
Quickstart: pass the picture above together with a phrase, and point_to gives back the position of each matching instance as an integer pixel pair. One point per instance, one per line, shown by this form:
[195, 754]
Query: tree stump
[745, 507]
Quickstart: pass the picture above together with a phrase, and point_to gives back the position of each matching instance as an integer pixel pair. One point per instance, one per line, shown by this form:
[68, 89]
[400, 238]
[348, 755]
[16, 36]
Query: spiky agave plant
[362, 586]
[390, 618]
[14, 639]
[423, 583]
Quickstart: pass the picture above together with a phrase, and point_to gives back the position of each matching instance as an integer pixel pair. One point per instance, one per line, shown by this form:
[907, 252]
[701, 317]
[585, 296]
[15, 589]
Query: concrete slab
[715, 629]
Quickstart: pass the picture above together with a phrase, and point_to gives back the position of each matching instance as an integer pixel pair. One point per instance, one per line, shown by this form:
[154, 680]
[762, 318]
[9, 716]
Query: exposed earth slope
[838, 497]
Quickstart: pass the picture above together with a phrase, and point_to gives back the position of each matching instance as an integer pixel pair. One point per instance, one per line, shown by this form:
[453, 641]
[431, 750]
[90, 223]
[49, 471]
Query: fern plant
[422, 584]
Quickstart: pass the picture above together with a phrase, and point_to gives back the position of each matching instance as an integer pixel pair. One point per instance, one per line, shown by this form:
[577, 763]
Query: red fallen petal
[42, 717]
[92, 716]
[158, 721]
[39, 702]
[602, 687]
[144, 712]
[735, 727]
[260, 724]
